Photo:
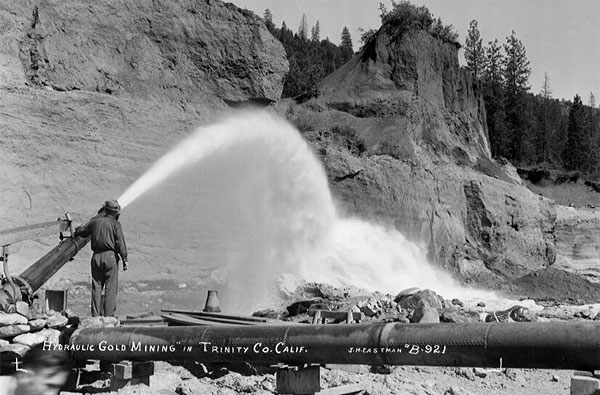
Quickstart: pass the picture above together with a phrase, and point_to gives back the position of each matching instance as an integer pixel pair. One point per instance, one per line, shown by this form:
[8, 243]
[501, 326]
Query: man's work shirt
[106, 235]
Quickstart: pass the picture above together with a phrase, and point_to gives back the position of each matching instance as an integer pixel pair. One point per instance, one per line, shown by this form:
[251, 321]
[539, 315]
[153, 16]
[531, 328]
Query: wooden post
[127, 373]
[298, 380]
[585, 383]
[56, 299]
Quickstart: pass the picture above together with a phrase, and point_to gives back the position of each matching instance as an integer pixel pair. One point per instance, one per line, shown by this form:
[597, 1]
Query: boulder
[310, 290]
[457, 302]
[57, 321]
[22, 308]
[456, 390]
[110, 322]
[371, 307]
[165, 381]
[582, 314]
[197, 386]
[91, 322]
[459, 316]
[271, 314]
[426, 296]
[380, 369]
[98, 322]
[407, 292]
[30, 339]
[394, 315]
[425, 314]
[12, 319]
[465, 372]
[514, 314]
[37, 324]
[11, 351]
[288, 284]
[13, 330]
[302, 306]
[51, 336]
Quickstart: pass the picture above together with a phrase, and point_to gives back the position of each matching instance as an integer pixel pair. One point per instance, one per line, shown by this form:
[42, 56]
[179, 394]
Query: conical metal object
[212, 303]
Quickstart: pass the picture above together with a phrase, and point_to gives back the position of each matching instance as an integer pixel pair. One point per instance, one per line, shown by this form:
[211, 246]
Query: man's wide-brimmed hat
[112, 205]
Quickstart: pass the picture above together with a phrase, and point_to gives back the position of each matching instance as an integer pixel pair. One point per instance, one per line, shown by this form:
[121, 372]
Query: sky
[561, 37]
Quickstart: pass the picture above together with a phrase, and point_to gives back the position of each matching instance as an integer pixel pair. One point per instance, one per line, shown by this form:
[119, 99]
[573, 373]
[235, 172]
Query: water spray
[254, 203]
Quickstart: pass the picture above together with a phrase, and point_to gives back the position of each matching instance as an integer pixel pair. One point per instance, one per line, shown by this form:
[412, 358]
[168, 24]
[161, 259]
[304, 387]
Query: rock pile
[410, 305]
[26, 328]
[21, 330]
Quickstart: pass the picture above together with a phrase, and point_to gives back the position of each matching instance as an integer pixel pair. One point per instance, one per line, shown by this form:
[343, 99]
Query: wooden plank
[225, 320]
[343, 390]
[187, 320]
[31, 232]
[317, 318]
[348, 368]
[146, 321]
[337, 315]
[217, 315]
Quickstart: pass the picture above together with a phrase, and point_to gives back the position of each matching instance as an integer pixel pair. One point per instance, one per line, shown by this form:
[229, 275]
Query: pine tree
[346, 44]
[493, 92]
[492, 75]
[516, 66]
[546, 91]
[518, 110]
[303, 28]
[286, 36]
[474, 54]
[309, 61]
[546, 94]
[557, 138]
[593, 124]
[268, 18]
[315, 35]
[574, 153]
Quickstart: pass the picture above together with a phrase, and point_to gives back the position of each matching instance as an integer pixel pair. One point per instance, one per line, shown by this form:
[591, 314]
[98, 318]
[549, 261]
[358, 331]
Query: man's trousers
[105, 274]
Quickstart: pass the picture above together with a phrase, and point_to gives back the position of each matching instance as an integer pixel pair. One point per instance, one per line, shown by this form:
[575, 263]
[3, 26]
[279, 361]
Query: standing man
[108, 244]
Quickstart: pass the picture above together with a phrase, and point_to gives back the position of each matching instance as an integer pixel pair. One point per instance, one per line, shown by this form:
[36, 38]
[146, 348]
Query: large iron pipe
[44, 268]
[515, 345]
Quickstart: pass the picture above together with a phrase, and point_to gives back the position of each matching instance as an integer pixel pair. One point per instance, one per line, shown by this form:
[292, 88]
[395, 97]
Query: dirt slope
[93, 94]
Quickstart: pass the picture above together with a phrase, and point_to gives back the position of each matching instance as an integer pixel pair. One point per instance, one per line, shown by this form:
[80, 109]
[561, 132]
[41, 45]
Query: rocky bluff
[402, 134]
[185, 49]
[94, 92]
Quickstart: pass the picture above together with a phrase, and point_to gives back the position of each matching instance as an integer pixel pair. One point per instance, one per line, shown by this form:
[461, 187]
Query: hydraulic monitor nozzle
[21, 288]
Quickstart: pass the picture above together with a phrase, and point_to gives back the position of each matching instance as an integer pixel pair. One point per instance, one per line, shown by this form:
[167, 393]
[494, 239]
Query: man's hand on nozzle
[124, 265]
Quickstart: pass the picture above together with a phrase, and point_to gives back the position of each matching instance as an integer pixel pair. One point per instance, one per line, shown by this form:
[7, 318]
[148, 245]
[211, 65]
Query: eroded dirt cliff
[401, 130]
[198, 51]
[93, 93]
